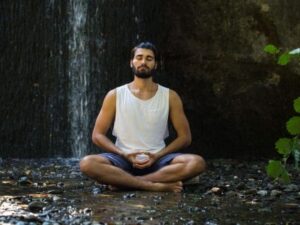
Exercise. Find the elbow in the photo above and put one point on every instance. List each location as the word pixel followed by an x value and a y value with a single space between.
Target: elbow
pixel 94 138
pixel 188 141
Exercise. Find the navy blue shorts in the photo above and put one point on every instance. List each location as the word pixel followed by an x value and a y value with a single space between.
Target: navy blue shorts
pixel 122 163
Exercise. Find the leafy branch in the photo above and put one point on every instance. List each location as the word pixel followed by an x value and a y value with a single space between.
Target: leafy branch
pixel 286 147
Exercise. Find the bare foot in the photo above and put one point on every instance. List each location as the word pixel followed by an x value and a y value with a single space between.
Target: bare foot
pixel 161 187
pixel 169 187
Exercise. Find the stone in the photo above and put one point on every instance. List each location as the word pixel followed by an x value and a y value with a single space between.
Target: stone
pixel 262 193
pixel 216 190
pixel 20 223
pixel 56 198
pixel 56 191
pixel 291 206
pixel 275 193
pixel 24 181
pixel 291 188
pixel 250 191
pixel 36 206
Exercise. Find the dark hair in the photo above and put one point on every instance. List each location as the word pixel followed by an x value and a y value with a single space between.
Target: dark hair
pixel 146 45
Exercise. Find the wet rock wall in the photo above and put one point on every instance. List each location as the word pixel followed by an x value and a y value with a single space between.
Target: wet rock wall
pixel 237 99
pixel 44 46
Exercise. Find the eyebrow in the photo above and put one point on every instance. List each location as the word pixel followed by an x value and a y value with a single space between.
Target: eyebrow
pixel 147 56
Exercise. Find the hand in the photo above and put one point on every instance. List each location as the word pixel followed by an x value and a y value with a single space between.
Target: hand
pixel 140 164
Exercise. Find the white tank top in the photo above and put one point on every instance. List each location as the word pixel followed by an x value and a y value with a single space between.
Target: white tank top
pixel 141 124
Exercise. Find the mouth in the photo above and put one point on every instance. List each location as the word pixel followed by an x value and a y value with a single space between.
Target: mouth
pixel 143 67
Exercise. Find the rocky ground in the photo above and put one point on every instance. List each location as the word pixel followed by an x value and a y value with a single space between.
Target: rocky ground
pixel 53 191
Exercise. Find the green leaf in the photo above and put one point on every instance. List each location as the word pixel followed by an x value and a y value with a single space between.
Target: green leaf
pixel 284 146
pixel 285 177
pixel 274 168
pixel 297 105
pixel 293 125
pixel 284 59
pixel 272 49
pixel 296 144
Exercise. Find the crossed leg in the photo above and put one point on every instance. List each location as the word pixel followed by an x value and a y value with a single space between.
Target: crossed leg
pixel 166 179
pixel 181 168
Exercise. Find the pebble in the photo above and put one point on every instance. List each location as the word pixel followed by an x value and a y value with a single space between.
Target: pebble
pixel 265 210
pixel 262 193
pixel 216 190
pixel 275 193
pixel 36 206
pixel 96 191
pixel 56 191
pixel 24 181
pixel 291 188
pixel 291 206
pixel 56 198
pixel 250 191
pixel 87 211
pixel 21 223
pixel 129 195
pixel 60 184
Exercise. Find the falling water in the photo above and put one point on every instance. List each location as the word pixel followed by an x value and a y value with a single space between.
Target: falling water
pixel 79 76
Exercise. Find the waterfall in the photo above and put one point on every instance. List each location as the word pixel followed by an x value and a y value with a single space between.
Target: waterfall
pixel 78 73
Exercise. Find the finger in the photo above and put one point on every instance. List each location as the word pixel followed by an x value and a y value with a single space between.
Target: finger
pixel 141 166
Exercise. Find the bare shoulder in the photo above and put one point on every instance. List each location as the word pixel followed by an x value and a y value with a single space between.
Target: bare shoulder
pixel 110 99
pixel 174 98
pixel 111 95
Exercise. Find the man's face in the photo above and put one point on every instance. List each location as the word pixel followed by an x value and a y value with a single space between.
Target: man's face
pixel 143 63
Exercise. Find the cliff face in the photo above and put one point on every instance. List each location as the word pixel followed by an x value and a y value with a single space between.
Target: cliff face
pixel 236 97
pixel 59 58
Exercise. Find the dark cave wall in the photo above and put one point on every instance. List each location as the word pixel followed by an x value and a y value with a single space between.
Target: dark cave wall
pixel 236 97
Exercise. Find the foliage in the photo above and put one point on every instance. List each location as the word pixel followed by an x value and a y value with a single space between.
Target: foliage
pixel 284 57
pixel 286 146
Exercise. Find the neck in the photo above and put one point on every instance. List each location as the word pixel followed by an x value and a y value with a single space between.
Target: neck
pixel 143 84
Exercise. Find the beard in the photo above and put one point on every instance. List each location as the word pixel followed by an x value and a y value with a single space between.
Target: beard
pixel 143 73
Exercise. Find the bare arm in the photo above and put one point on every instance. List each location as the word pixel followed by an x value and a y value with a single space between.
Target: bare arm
pixel 103 123
pixel 181 125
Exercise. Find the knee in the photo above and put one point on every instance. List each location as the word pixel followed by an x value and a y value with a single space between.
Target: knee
pixel 86 164
pixel 199 163
pixel 83 164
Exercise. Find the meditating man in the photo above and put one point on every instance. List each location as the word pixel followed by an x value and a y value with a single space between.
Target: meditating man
pixel 139 112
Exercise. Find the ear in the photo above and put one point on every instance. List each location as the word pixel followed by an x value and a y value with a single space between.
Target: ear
pixel 155 65
pixel 130 63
